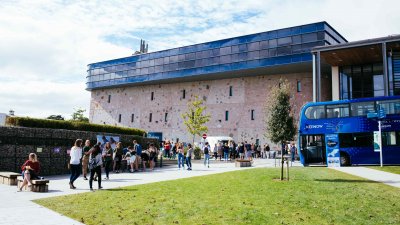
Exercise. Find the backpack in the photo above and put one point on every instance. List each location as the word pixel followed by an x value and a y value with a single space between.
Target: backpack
pixel 92 163
pixel 205 150
pixel 138 149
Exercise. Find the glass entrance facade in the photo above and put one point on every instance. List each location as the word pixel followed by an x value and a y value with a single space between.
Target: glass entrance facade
pixel 361 81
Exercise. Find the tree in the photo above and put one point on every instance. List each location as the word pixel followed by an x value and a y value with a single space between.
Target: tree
pixel 55 117
pixel 78 115
pixel 194 118
pixel 279 121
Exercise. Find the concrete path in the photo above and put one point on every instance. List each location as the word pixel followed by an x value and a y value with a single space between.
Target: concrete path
pixel 371 174
pixel 13 204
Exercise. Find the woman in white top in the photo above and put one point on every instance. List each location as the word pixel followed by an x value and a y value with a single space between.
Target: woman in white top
pixel 75 162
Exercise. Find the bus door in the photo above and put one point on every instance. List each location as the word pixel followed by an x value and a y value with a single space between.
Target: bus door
pixel 313 149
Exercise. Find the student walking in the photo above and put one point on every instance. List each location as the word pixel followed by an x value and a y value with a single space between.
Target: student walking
pixel 293 152
pixel 206 151
pixel 75 162
pixel 85 158
pixel 95 166
pixel 215 151
pixel 189 157
pixel 225 149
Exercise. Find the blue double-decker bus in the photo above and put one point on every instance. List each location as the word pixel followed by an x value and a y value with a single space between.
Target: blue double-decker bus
pixel 347 120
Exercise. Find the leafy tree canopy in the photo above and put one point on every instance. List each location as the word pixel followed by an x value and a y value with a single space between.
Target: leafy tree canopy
pixel 194 119
pixel 279 121
pixel 78 115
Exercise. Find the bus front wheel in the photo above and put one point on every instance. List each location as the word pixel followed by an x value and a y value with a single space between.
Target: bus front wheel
pixel 344 159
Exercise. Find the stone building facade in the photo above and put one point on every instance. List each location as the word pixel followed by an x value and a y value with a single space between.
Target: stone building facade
pixel 242 99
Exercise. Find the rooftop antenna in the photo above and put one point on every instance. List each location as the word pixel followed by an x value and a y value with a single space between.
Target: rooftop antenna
pixel 144 48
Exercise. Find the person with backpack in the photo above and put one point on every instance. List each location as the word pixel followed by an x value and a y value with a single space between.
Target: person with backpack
pixel 138 149
pixel 95 163
pixel 206 151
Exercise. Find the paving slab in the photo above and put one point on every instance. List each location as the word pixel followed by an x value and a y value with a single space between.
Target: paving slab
pixel 371 174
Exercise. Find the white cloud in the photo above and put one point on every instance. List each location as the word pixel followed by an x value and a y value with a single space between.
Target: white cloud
pixel 46 45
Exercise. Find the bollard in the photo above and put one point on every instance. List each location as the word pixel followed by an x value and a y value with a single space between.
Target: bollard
pixel 287 169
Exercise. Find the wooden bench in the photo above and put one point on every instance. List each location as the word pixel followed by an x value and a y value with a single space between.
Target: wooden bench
pixel 9 178
pixel 242 163
pixel 37 185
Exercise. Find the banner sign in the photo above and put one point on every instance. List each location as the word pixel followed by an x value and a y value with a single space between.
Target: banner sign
pixel 332 150
pixel 377 138
pixel 104 139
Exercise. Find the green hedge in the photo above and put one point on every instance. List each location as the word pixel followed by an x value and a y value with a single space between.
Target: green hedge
pixel 71 125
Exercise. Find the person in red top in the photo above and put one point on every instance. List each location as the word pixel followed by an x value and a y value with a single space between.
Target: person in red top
pixel 30 170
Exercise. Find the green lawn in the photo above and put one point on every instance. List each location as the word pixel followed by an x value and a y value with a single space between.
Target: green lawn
pixel 312 196
pixel 390 169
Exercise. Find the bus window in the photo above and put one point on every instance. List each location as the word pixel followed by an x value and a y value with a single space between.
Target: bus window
pixel 348 140
pixel 336 111
pixel 362 108
pixel 313 149
pixel 390 106
pixel 389 138
pixel 315 112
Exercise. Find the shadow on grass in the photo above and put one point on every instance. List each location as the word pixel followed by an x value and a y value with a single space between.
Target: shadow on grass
pixel 346 180
pixel 121 189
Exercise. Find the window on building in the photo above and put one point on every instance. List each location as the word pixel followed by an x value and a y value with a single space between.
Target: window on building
pixel 109 98
pixel 152 96
pixel 150 117
pixel 230 90
pixel 132 118
pixel 183 94
pixel 361 81
pixel 298 86
pixel 165 117
pixel 119 118
pixel 226 115
pixel 252 114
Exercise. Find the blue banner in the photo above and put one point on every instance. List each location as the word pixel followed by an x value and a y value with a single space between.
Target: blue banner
pixel 332 150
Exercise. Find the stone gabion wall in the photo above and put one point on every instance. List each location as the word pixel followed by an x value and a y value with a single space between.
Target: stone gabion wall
pixel 17 142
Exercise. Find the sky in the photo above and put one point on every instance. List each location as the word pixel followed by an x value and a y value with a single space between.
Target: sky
pixel 46 45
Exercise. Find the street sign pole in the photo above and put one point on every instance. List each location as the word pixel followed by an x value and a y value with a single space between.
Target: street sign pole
pixel 381 114
pixel 380 141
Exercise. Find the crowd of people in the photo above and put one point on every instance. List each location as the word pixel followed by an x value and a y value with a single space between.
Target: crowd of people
pixel 102 156
pixel 92 160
